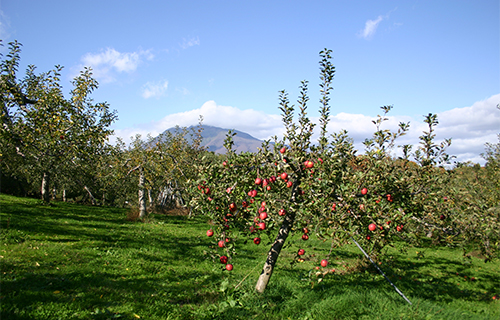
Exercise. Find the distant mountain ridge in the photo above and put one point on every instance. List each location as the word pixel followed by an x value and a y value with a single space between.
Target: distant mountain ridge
pixel 213 139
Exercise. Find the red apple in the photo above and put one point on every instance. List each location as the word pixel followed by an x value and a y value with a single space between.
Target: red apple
pixel 334 206
pixel 442 217
pixel 399 228
pixel 224 163
pixel 268 188
pixel 283 150
pixel 301 252
pixel 258 181
pixel 263 204
pixel 305 237
pixel 368 237
pixel 389 198
pixel 364 191
pixel 372 227
pixel 232 207
pixel 222 243
pixel 252 229
pixel 265 182
pixel 320 160
pixel 229 267
pixel 282 212
pixel 389 222
pixel 289 184
pixel 210 232
pixel 223 259
pixel 262 225
pixel 263 216
pixel 256 240
pixel 308 164
pixel 284 176
pixel 244 204
pixel 324 263
pixel 305 230
pixel 362 207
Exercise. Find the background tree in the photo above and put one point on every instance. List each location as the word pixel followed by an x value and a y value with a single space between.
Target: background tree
pixel 48 133
pixel 163 167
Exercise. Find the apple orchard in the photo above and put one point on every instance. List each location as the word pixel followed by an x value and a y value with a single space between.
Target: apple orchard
pixel 326 190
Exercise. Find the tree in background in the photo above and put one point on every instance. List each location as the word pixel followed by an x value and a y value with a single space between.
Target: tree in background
pixel 43 135
pixel 161 167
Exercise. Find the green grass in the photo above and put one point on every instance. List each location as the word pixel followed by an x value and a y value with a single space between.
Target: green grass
pixel 67 261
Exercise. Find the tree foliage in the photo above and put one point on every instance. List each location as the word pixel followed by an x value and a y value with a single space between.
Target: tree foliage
pixel 45 136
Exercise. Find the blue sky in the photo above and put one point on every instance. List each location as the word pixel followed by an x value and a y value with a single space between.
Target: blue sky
pixel 162 63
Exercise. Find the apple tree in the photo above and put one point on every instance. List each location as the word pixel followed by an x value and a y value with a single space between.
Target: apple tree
pixel 45 132
pixel 295 186
pixel 162 166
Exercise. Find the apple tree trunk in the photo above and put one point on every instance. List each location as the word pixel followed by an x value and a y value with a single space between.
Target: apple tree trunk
pixel 142 200
pixel 90 195
pixel 272 256
pixel 45 187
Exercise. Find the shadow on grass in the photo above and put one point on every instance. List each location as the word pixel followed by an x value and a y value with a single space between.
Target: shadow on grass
pixel 86 292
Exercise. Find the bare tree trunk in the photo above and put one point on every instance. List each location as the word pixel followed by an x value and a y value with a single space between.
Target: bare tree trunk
pixel 273 254
pixel 64 195
pixel 142 201
pixel 45 187
pixel 150 199
pixel 90 195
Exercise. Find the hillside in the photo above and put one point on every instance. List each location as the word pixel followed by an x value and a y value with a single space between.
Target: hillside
pixel 213 139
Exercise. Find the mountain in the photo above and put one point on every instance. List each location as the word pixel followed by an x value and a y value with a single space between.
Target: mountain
pixel 213 139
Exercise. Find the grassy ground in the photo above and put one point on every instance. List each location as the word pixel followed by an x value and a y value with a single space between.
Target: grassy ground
pixel 67 261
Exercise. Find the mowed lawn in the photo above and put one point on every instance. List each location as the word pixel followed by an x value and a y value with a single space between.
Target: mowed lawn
pixel 68 261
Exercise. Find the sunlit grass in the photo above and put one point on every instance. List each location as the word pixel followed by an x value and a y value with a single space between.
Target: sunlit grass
pixel 66 261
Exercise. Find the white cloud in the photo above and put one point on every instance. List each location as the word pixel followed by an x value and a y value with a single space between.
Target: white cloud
pixel 156 90
pixel 470 127
pixel 256 123
pixel 107 63
pixel 370 27
pixel 186 43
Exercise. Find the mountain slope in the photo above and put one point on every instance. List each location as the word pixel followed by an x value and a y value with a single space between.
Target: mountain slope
pixel 213 140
